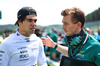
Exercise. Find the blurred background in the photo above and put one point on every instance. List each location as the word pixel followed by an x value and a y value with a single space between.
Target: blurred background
pixel 49 17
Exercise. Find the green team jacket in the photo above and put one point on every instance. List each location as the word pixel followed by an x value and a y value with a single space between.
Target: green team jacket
pixel 90 50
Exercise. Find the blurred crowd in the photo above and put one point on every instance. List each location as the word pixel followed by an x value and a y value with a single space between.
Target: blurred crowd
pixel 58 37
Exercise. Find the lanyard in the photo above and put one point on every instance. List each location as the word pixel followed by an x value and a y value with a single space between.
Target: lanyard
pixel 70 48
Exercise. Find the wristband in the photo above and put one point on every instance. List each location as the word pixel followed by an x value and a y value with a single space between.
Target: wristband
pixel 56 46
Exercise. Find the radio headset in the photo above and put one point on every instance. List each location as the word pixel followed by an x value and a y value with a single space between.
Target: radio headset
pixel 75 40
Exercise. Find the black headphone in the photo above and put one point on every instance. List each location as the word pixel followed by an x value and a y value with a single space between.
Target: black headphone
pixel 74 39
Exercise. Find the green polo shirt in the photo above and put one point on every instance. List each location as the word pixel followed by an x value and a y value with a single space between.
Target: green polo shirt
pixel 89 52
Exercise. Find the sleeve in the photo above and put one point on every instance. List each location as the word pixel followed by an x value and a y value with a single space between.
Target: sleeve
pixel 4 55
pixel 97 56
pixel 41 56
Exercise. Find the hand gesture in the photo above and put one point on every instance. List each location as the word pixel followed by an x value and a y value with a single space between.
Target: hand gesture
pixel 48 41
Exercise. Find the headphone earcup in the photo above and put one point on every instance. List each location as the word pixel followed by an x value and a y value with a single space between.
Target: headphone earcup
pixel 76 40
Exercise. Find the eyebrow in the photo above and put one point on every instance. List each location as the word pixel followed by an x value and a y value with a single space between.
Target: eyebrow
pixel 64 22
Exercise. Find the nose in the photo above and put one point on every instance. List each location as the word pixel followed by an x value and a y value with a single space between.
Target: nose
pixel 33 23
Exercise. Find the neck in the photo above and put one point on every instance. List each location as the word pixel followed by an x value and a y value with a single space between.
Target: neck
pixel 78 31
pixel 24 33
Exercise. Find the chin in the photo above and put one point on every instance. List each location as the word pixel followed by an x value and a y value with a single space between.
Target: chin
pixel 31 32
pixel 67 35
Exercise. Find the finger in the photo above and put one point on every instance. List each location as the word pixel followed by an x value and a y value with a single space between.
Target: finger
pixel 42 38
pixel 43 42
pixel 48 37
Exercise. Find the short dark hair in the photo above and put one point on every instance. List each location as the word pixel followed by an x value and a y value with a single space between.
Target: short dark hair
pixel 21 20
pixel 77 15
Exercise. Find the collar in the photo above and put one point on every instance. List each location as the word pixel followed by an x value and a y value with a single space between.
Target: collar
pixel 27 39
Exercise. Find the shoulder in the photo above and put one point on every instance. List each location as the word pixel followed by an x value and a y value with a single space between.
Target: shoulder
pixel 91 39
pixel 9 39
pixel 93 42
pixel 34 37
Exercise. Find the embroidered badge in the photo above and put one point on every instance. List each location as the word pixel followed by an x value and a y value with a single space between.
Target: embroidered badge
pixel 18 34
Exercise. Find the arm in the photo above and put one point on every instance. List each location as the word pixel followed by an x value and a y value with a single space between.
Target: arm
pixel 4 55
pixel 48 42
pixel 41 56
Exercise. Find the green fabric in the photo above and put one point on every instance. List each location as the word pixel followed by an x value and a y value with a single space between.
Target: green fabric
pixel 54 37
pixel 89 52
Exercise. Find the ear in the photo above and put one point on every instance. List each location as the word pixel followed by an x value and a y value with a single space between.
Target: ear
pixel 19 22
pixel 79 24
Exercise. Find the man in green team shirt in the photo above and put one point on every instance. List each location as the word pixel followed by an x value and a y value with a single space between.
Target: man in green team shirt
pixel 53 52
pixel 80 45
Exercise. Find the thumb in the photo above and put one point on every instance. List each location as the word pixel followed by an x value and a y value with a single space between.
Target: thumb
pixel 49 37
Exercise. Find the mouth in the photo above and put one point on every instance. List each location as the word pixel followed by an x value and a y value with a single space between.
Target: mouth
pixel 32 28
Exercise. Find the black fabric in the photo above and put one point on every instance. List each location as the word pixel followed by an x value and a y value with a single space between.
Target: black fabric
pixel 82 32
pixel 66 61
